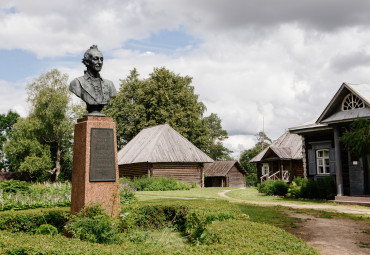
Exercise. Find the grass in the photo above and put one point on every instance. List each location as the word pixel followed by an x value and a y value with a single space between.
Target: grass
pixel 207 193
pixel 251 194
pixel 254 230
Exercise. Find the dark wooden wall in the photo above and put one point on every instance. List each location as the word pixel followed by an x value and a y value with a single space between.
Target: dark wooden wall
pixel 184 172
pixel 235 178
pixel 133 170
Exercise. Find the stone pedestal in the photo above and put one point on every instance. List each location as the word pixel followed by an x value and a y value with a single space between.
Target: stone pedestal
pixel 95 167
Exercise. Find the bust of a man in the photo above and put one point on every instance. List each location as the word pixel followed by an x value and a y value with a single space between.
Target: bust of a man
pixel 92 88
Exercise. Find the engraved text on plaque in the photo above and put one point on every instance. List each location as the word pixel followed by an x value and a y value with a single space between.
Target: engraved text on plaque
pixel 102 156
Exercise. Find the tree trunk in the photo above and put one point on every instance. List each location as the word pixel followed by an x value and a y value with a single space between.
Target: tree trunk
pixel 57 162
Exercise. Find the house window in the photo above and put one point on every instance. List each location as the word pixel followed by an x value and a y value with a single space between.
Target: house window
pixel 265 168
pixel 352 102
pixel 322 160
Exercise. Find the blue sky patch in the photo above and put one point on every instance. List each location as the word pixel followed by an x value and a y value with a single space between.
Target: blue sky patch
pixel 17 64
pixel 164 42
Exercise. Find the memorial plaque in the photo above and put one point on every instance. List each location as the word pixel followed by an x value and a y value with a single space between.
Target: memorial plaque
pixel 102 156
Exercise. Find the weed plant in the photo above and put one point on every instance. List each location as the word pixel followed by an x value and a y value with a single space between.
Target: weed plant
pixel 16 195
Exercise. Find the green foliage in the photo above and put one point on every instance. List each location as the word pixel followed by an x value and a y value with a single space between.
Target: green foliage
pixel 263 141
pixel 30 221
pixel 251 168
pixel 194 185
pixel 46 229
pixel 273 187
pixel 155 183
pixel 6 124
pixel 127 192
pixel 16 195
pixel 357 138
pixel 40 142
pixel 234 229
pixel 14 186
pixel 323 188
pixel 94 225
pixel 23 149
pixel 165 97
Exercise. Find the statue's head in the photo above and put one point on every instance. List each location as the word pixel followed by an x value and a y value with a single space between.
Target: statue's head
pixel 93 59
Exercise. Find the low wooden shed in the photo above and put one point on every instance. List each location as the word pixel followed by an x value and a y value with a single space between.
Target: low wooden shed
pixel 228 173
pixel 160 151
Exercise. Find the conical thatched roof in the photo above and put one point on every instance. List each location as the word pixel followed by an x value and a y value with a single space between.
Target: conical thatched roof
pixel 160 144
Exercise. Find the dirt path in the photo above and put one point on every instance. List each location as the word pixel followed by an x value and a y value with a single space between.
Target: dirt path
pixel 330 208
pixel 333 236
pixel 328 236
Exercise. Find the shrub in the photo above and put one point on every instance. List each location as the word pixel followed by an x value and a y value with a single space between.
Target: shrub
pixel 29 221
pixel 14 186
pixel 47 229
pixel 156 183
pixel 94 225
pixel 273 187
pixel 323 188
pixel 127 193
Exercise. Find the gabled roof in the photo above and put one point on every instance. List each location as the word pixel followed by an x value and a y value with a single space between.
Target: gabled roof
pixel 309 126
pixel 160 144
pixel 332 112
pixel 288 146
pixel 221 168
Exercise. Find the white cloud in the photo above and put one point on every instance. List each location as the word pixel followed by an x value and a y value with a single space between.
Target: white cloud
pixel 281 62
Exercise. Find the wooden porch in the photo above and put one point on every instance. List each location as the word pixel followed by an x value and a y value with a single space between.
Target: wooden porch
pixel 353 200
pixel 278 175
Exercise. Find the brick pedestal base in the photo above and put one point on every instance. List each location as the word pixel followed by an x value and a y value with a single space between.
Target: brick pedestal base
pixel 85 186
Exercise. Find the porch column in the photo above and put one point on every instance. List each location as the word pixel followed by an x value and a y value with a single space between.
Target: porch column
pixel 338 163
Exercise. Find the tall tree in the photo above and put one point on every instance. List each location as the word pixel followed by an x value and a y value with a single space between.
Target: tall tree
pixel 50 99
pixel 24 151
pixel 164 97
pixel 49 126
pixel 263 141
pixel 357 138
pixel 6 124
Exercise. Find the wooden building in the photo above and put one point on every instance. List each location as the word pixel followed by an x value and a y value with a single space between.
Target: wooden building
pixel 224 174
pixel 281 160
pixel 323 153
pixel 160 151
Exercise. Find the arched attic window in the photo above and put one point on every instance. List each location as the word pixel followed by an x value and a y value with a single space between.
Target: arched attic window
pixel 352 101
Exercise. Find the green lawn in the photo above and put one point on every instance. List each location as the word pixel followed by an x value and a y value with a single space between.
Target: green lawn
pixel 207 193
pixel 251 194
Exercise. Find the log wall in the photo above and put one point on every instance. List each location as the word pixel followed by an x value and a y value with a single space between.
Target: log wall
pixel 133 170
pixel 184 172
pixel 234 178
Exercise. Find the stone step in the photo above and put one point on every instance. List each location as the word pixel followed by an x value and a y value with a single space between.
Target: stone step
pixel 352 200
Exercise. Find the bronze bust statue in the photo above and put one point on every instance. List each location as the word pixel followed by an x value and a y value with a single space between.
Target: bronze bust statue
pixel 95 91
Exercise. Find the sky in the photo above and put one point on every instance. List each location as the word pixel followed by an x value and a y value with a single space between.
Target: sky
pixel 259 64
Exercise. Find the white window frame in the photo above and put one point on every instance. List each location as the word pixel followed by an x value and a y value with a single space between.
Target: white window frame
pixel 322 161
pixel 265 168
pixel 352 101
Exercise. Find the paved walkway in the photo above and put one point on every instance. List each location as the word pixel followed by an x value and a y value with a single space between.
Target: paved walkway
pixel 352 209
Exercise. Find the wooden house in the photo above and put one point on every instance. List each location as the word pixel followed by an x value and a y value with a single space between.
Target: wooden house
pixel 323 153
pixel 160 151
pixel 224 174
pixel 281 160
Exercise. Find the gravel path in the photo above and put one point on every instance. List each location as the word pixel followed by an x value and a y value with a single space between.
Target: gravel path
pixel 352 209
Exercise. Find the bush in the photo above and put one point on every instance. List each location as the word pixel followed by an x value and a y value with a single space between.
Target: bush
pixel 323 188
pixel 29 221
pixel 155 184
pixel 273 187
pixel 14 186
pixel 127 193
pixel 47 229
pixel 94 225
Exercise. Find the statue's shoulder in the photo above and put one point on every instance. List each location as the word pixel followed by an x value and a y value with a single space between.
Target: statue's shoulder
pixel 75 84
pixel 111 87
